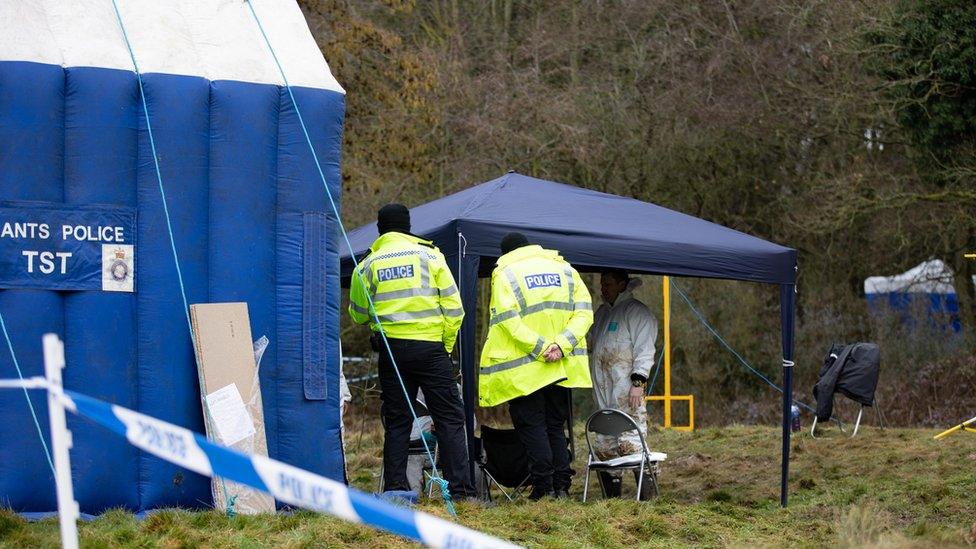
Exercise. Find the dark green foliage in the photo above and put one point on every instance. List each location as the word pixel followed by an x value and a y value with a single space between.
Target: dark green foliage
pixel 927 56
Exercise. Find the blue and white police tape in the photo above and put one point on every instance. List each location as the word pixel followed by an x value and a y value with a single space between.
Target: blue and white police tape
pixel 286 483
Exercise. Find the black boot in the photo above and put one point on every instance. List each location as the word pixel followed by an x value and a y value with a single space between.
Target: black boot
pixel 560 487
pixel 541 487
pixel 611 485
pixel 648 486
pixel 539 493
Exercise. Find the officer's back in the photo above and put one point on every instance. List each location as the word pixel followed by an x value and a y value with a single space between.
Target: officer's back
pixel 544 280
pixel 538 300
pixel 405 290
pixel 536 348
pixel 407 280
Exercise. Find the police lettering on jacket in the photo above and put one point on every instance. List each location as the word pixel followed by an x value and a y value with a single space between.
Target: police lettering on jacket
pixel 544 280
pixel 393 273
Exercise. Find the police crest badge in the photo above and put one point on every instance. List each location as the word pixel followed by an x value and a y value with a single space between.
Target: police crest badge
pixel 118 268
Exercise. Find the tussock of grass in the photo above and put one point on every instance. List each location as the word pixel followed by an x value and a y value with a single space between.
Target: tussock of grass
pixel 719 488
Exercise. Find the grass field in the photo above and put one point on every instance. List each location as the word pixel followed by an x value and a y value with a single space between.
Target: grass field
pixel 719 488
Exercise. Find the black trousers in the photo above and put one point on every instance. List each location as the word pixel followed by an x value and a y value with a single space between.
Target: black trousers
pixel 540 423
pixel 424 365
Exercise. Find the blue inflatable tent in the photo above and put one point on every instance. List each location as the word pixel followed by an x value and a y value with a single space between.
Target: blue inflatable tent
pixel 926 289
pixel 84 247
pixel 592 230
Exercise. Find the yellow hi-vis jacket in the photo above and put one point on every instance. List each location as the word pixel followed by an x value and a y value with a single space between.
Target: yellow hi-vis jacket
pixel 537 299
pixel 411 288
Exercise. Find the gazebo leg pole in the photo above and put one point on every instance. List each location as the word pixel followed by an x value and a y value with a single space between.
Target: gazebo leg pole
pixel 787 316
pixel 787 404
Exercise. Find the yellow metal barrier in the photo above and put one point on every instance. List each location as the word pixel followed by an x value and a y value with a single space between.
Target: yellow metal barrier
pixel 667 406
pixel 667 397
pixel 964 426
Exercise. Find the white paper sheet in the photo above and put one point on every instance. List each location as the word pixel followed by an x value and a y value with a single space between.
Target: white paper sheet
pixel 229 415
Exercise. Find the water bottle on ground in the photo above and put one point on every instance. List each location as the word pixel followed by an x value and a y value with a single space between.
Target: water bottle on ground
pixel 795 415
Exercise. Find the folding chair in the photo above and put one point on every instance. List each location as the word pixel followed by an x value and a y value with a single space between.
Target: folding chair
pixel 613 423
pixel 416 448
pixel 503 462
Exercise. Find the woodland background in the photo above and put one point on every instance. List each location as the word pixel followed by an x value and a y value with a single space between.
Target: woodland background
pixel 843 128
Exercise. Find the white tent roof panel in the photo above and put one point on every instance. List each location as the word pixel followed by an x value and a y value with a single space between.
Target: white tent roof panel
pixel 215 39
pixel 933 276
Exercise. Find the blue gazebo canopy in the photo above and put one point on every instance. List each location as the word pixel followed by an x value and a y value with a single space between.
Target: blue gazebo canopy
pixel 592 230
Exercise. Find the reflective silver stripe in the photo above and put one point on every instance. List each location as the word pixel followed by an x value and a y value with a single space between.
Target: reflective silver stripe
pixel 358 309
pixel 572 338
pixel 372 283
pixel 452 312
pixel 540 346
pixel 546 306
pixel 502 366
pixel 502 317
pixel 409 292
pixel 424 271
pixel 448 291
pixel 532 309
pixel 583 306
pixel 414 315
pixel 570 284
pixel 515 288
pixel 368 263
pixel 364 277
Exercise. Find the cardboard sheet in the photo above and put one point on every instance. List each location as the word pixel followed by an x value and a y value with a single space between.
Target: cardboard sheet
pixel 234 415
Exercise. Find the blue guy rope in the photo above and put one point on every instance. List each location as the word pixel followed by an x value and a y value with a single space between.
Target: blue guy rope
pixel 20 374
pixel 169 230
pixel 435 476
pixel 725 344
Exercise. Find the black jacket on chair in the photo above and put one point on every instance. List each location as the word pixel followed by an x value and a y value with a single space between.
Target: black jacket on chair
pixel 851 370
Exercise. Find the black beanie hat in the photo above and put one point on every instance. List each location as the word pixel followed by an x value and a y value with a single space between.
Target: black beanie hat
pixel 513 241
pixel 393 217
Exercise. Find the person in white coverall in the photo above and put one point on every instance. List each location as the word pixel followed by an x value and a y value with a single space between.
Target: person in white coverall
pixel 621 343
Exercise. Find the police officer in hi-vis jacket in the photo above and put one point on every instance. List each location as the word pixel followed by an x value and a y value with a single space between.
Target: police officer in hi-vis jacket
pixel 536 349
pixel 417 302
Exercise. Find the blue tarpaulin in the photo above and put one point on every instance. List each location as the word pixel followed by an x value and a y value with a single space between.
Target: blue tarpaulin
pixel 592 230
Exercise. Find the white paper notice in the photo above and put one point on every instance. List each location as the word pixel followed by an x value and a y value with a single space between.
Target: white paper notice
pixel 229 415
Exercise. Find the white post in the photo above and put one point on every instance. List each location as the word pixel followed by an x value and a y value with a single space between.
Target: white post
pixel 60 442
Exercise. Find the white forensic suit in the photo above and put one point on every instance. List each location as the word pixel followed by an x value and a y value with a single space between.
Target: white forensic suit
pixel 345 397
pixel 621 343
